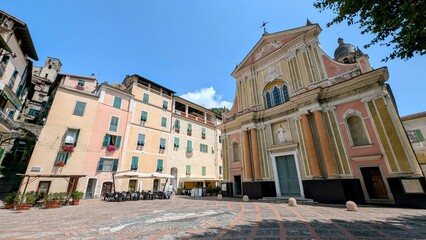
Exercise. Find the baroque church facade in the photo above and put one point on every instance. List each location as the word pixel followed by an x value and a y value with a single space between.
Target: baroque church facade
pixel 309 126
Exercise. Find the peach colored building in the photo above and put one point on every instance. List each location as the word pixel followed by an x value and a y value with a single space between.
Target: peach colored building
pixel 62 146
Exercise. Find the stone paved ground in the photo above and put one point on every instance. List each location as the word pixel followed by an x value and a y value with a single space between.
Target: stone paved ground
pixel 206 218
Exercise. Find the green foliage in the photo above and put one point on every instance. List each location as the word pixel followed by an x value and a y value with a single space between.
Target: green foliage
pixel 179 190
pixel 219 111
pixel 77 195
pixel 57 196
pixel 10 198
pixel 29 197
pixel 397 24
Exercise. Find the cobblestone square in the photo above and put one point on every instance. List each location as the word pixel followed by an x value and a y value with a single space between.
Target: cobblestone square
pixel 206 218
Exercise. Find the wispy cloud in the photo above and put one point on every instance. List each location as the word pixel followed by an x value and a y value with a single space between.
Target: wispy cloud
pixel 208 98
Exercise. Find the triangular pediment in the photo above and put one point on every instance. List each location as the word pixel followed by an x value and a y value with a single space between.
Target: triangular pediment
pixel 270 43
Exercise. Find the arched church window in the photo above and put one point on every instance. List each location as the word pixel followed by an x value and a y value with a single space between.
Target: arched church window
pixel 357 131
pixel 285 93
pixel 268 100
pixel 235 152
pixel 277 96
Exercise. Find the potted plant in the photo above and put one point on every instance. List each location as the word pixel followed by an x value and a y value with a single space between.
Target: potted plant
pixel 68 148
pixel 54 200
pixel 111 148
pixel 8 200
pixel 76 196
pixel 24 201
pixel 60 164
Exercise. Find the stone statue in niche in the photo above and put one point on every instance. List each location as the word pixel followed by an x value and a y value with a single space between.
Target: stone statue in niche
pixel 281 134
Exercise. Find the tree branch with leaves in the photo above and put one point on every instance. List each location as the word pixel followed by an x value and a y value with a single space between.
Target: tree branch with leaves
pixel 400 24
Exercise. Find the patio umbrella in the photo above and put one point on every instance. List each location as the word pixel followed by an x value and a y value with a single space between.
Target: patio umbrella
pixel 161 175
pixel 132 175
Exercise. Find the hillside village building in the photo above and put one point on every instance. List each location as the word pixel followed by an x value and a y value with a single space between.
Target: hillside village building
pixel 306 125
pixel 415 126
pixel 94 132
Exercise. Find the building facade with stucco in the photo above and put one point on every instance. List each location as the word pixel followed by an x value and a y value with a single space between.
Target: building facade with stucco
pixel 415 127
pixel 306 125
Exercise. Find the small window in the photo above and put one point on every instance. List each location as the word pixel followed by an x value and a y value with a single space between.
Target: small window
pixel 141 141
pixel 107 165
pixel 160 165
pixel 415 136
pixel 220 139
pixel 135 161
pixel 117 102
pixel 189 129
pixel 112 140
pixel 203 133
pixel 15 74
pixel 165 104
pixel 113 125
pixel 162 143
pixel 80 83
pixel 203 171
pixel 189 146
pixel 176 142
pixel 235 152
pixel 145 98
pixel 62 158
pixel 177 125
pixel 164 122
pixel 79 108
pixel 144 116
pixel 71 136
pixel 33 112
pixel 204 148
pixel 188 169
pixel 220 170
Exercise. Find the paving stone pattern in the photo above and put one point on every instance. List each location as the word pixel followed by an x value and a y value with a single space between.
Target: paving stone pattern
pixel 184 217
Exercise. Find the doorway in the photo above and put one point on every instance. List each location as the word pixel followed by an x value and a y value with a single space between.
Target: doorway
pixel 90 189
pixel 237 186
pixel 288 179
pixel 374 183
pixel 106 188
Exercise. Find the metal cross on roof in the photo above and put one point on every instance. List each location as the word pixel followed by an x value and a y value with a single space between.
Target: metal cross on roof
pixel 264 26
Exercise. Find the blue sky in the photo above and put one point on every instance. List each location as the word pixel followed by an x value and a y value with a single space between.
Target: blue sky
pixel 188 46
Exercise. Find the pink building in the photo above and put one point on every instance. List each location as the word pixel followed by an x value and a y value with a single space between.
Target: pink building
pixel 105 148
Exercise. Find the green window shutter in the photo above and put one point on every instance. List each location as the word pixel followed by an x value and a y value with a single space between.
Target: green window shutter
pixel 144 116
pixel 203 133
pixel 135 161
pixel 118 141
pixel 79 108
pixel 113 125
pixel 419 135
pixel 159 165
pixel 76 137
pixel 115 165
pixel 188 169
pixel 164 122
pixel 177 124
pixel 203 171
pixel 66 156
pixel 189 146
pixel 189 127
pixel 107 140
pixel 101 165
pixel 141 139
pixel 145 98
pixel 201 147
pixel 165 104
pixel 176 142
pixel 117 102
